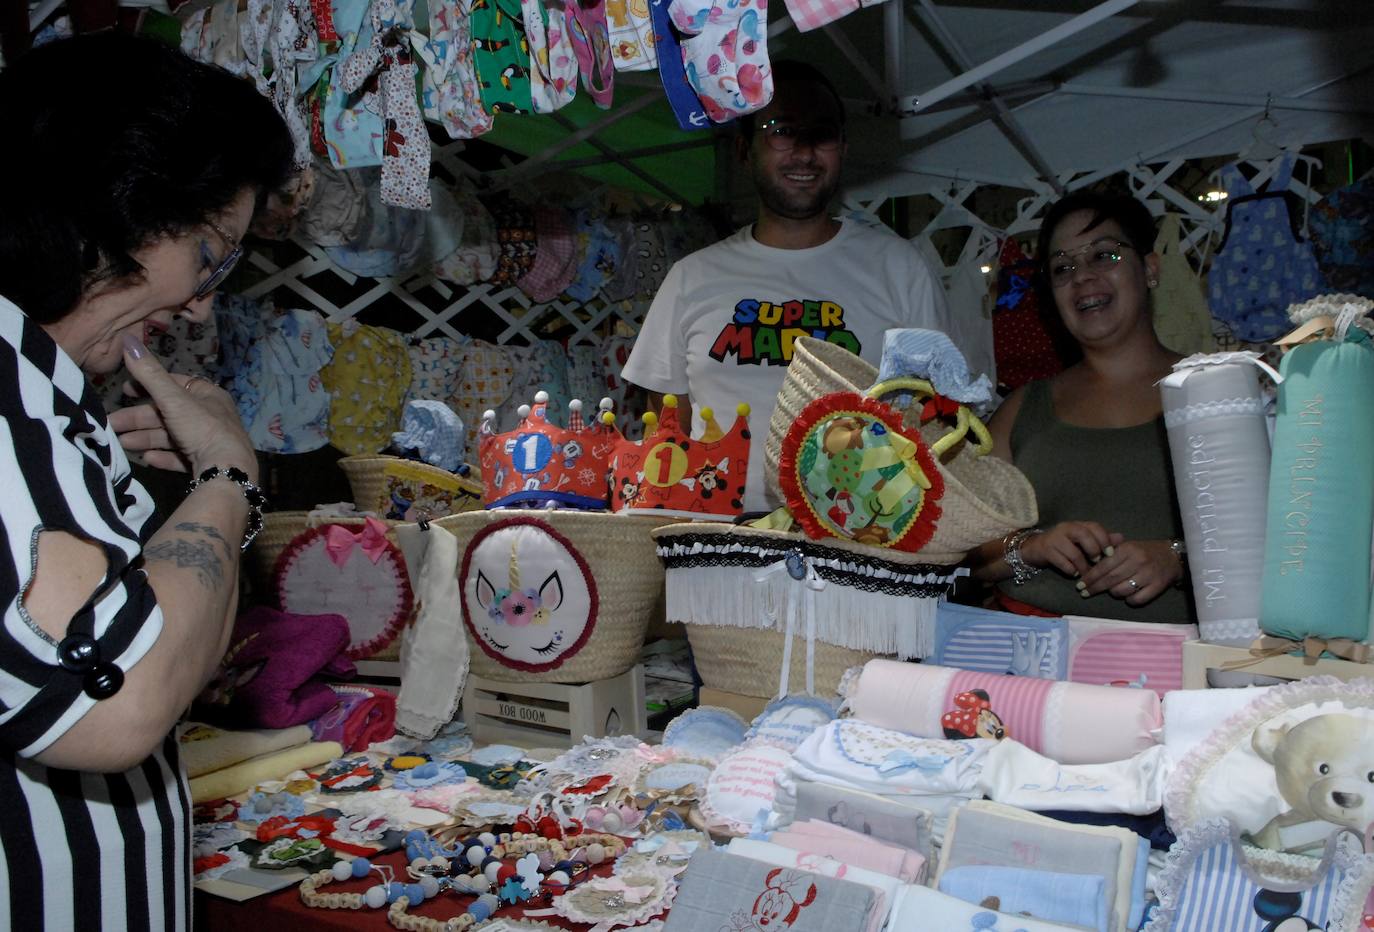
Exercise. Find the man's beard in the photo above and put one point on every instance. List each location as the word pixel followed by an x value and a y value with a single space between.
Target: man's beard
pixel 794 204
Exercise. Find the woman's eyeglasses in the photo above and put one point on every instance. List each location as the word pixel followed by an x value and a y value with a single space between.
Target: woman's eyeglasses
pixel 783 137
pixel 1099 256
pixel 221 272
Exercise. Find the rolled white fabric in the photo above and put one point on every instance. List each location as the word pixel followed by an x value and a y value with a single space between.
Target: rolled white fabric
pixel 1219 443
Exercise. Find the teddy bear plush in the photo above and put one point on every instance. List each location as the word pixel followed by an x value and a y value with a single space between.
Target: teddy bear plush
pixel 1325 771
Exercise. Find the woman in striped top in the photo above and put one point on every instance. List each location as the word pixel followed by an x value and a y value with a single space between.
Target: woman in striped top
pixel 129 176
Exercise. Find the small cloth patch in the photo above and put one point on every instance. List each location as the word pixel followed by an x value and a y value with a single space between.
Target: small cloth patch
pixel 849 469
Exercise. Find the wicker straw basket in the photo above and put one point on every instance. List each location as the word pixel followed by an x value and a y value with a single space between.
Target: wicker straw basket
pixel 278 530
pixel 367 477
pixel 747 660
pixel 618 552
pixel 735 589
pixel 985 496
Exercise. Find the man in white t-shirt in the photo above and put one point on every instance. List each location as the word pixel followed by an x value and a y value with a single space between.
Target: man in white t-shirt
pixel 721 328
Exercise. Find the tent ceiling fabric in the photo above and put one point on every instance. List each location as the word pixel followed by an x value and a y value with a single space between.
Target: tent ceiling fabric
pixel 1142 85
pixel 1150 53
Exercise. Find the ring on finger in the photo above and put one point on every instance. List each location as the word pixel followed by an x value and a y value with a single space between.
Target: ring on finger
pixel 192 380
pixel 1133 584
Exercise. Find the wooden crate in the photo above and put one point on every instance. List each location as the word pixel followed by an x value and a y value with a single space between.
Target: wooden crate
pixel 554 714
pixel 1199 657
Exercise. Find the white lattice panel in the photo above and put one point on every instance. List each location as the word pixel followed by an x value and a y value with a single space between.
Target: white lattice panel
pixel 441 308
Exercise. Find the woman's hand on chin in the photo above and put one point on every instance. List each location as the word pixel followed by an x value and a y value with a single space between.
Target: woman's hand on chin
pixel 191 423
pixel 1071 547
pixel 1138 571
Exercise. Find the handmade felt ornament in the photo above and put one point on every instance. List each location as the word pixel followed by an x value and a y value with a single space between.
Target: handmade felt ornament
pixel 850 469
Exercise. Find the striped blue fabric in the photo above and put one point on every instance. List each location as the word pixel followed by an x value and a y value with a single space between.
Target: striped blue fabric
pixel 999 642
pixel 1215 886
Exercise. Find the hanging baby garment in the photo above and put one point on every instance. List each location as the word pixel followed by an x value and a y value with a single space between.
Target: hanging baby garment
pixel 553 63
pixel 1021 342
pixel 501 55
pixel 448 91
pixel 1262 265
pixel 632 35
pixel 687 106
pixel 386 59
pixel 725 54
pixel 352 115
pixel 1182 321
pixel 1343 235
pixel 592 44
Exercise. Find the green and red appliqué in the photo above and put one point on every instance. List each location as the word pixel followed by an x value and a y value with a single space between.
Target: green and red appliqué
pixel 850 469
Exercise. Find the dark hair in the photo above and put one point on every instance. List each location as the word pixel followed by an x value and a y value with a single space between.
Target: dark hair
pixel 110 143
pixel 791 71
pixel 1129 213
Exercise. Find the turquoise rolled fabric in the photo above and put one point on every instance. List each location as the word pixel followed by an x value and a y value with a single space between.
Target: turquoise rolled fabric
pixel 1321 493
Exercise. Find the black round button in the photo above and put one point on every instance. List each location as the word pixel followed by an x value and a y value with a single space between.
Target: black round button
pixel 78 653
pixel 103 681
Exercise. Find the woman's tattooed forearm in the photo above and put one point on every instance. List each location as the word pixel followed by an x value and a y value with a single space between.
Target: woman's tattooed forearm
pixel 209 530
pixel 195 554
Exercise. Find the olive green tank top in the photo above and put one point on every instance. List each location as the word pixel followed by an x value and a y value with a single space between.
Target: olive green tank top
pixel 1120 477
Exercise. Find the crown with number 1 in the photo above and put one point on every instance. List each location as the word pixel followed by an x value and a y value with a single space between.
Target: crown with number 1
pixel 540 464
pixel 669 472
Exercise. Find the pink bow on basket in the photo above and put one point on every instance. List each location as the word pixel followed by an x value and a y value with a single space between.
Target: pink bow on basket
pixel 340 539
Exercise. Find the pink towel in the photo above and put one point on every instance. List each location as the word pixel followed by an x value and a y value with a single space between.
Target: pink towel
pixel 854 848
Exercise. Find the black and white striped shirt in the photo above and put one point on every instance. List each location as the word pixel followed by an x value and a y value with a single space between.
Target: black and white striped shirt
pixel 83 851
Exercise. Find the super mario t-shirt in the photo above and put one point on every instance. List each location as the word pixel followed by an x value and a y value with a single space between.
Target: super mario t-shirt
pixel 722 327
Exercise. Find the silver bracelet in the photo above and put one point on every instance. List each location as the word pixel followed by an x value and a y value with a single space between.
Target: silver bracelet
pixel 1021 571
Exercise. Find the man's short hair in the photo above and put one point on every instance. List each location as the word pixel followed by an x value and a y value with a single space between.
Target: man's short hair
pixel 791 71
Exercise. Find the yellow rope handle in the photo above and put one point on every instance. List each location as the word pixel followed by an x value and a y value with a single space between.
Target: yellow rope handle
pixel 967 421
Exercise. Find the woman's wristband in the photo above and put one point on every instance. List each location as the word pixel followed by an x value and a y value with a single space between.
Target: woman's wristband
pixel 1021 571
pixel 256 500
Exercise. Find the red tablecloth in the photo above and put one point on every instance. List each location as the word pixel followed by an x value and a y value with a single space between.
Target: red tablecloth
pixel 283 911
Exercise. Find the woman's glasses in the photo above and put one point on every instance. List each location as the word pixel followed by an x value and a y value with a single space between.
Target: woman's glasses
pixel 783 137
pixel 221 272
pixel 1099 255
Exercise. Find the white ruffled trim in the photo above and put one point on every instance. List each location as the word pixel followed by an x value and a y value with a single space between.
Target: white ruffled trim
pixel 1347 906
pixel 1202 410
pixel 1270 869
pixel 1180 795
pixel 875 622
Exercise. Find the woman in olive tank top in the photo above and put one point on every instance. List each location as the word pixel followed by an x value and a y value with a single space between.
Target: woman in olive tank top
pixel 1091 439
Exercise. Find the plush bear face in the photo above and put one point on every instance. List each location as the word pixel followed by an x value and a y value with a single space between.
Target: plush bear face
pixel 1324 766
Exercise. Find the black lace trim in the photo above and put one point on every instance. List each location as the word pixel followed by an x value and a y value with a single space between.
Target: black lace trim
pixel 758 555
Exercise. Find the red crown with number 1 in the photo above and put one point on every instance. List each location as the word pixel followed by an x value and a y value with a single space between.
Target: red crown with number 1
pixel 670 472
pixel 540 464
